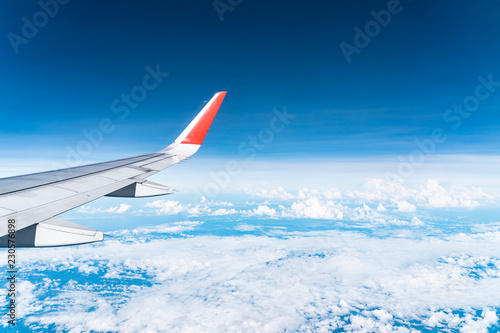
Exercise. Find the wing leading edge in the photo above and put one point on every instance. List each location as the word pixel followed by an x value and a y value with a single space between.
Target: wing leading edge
pixel 33 201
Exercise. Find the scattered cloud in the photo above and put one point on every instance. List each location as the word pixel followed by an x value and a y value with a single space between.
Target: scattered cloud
pixel 275 192
pixel 246 227
pixel 314 208
pixel 380 201
pixel 405 207
pixel 434 195
pixel 381 208
pixel 166 207
pixel 224 211
pixel 414 221
pixel 305 193
pixel 173 228
pixel 263 210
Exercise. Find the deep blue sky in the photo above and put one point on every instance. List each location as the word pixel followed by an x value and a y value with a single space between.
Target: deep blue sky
pixel 266 55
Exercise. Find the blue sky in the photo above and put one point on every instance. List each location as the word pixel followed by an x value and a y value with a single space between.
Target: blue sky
pixel 64 79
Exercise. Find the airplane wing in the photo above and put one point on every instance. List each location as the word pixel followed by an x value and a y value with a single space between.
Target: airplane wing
pixel 31 203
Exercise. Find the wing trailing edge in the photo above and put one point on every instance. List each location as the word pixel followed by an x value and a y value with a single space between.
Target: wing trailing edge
pixel 54 232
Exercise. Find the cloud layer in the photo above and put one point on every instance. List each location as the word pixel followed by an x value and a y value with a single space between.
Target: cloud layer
pixel 145 280
pixel 379 262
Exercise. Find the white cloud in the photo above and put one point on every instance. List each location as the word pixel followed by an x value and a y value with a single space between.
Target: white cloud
pixel 382 315
pixel 224 211
pixel 328 194
pixel 387 196
pixel 381 202
pixel 166 207
pixel 434 195
pixel 333 204
pixel 169 207
pixel 173 228
pixel 405 207
pixel 123 208
pixel 246 227
pixel 380 190
pixel 222 203
pixel 276 192
pixel 304 282
pixel 414 221
pixel 264 210
pixel 315 208
pixel 430 195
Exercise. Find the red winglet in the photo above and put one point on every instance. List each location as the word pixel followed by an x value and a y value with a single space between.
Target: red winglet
pixel 202 122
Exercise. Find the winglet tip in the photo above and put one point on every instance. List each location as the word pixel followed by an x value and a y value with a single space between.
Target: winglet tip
pixel 196 131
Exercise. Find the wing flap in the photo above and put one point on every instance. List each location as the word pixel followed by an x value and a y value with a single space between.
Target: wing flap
pixel 37 214
pixel 59 232
pixel 142 190
pixel 54 232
